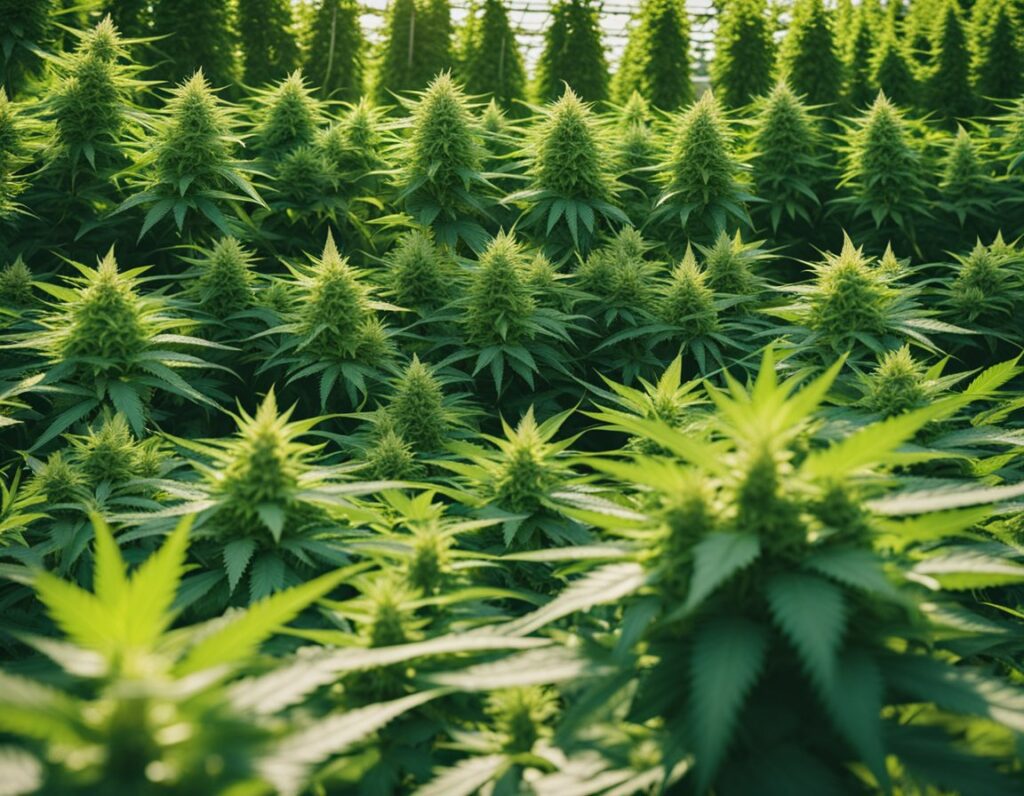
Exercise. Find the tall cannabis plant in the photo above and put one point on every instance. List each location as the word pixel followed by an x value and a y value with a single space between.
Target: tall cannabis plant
pixel 267 36
pixel 808 58
pixel 334 55
pixel 185 164
pixel 997 65
pixel 438 177
pixel 859 87
pixel 417 46
pixel 702 192
pixel 491 63
pixel 787 167
pixel 739 508
pixel 573 54
pixel 105 342
pixel 332 329
pixel 890 70
pixel 200 36
pixel 947 81
pixel 571 193
pixel 883 174
pixel 656 61
pixel 744 52
pixel 92 101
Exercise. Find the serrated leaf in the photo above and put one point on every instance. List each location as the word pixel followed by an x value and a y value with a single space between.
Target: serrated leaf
pixel 267 576
pixel 811 612
pixel 236 555
pixel 127 401
pixel 534 667
pixel 273 516
pixel 464 778
pixel 240 637
pixel 726 660
pixel 603 585
pixel 286 766
pixel 717 558
pixel 963 568
pixel 153 586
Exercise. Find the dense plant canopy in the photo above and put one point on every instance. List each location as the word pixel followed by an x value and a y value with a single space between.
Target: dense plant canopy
pixel 370 426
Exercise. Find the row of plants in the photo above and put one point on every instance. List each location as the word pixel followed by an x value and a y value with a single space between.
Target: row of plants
pixel 434 452
pixel 943 57
pixel 90 165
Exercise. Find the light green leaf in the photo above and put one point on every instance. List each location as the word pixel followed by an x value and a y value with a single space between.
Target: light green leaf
pixel 464 778
pixel 20 772
pixel 240 638
pixel 604 585
pixel 533 667
pixel 963 568
pixel 153 588
pixel 286 766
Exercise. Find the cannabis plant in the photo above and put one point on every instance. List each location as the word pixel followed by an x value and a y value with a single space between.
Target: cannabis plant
pixel 516 478
pixel 983 285
pixel 15 155
pixel 808 59
pixel 269 47
pixel 948 79
pixel 186 163
pixel 419 274
pixel 502 328
pixel 106 342
pixel 571 196
pixel 744 53
pixel 883 174
pixel 966 186
pixel 92 100
pixel 997 66
pixel 890 70
pixel 334 48
pixel 416 47
pixel 656 61
pixel 859 88
pixel 287 117
pixel 200 37
pixel 703 192
pixel 152 709
pixel 491 63
pixel 746 506
pixel 852 306
pixel 332 330
pixel 573 54
pixel 787 167
pixel 223 280
pixel 438 175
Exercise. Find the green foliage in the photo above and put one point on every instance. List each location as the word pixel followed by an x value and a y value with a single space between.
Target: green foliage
pixel 808 58
pixel 334 55
pixel 186 161
pixel 573 54
pixel 744 53
pixel 948 80
pixel 224 282
pixel 656 61
pixel 890 70
pixel 439 180
pixel 571 188
pixel 883 173
pixel 28 26
pixel 201 36
pixel 702 190
pixel 787 169
pixel 491 63
pixel 14 156
pixel 997 66
pixel 417 46
pixel 269 47
pixel 420 274
pixel 288 117
pixel 860 87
